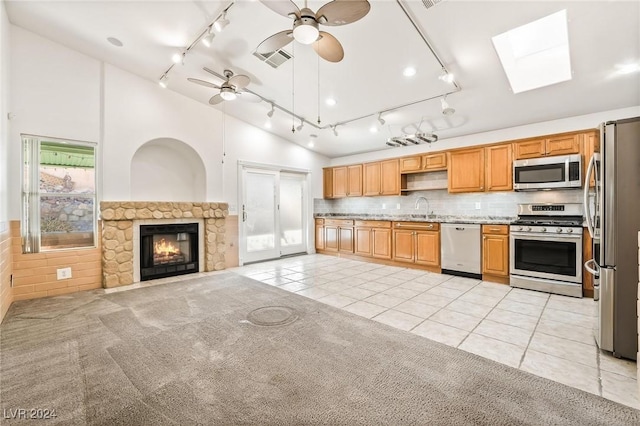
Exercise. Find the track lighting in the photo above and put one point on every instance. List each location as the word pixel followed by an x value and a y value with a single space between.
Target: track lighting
pixel 163 81
pixel 380 119
pixel 335 132
pixel 178 58
pixel 270 113
pixel 207 40
pixel 446 76
pixel 301 125
pixel 221 23
pixel 446 109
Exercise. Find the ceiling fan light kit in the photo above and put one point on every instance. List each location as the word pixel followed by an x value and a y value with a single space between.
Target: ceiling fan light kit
pixel 305 29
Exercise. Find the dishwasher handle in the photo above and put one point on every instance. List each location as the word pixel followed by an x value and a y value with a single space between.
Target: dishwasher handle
pixel 458 228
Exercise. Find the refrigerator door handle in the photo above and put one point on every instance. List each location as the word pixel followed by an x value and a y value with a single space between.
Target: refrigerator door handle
pixel 585 201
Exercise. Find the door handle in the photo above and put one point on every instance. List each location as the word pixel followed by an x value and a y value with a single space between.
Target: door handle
pixel 595 270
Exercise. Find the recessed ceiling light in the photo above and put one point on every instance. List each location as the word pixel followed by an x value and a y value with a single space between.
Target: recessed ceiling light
pixel 627 68
pixel 409 72
pixel 373 129
pixel 330 101
pixel 115 41
pixel 536 54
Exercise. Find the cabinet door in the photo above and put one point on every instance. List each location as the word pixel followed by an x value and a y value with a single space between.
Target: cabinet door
pixel 435 161
pixel 499 168
pixel 319 237
pixel 466 170
pixel 495 255
pixel 403 245
pixel 340 178
pixel 331 238
pixel 410 164
pixel 563 145
pixel 529 149
pixel 345 240
pixel 363 244
pixel 327 183
pixel 428 248
pixel 390 177
pixel 591 143
pixel 354 181
pixel 381 239
pixel 371 179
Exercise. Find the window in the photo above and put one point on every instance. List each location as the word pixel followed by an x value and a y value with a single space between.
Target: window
pixel 58 194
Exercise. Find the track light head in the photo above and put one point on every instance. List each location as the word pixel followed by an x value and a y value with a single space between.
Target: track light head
pixel 335 132
pixel 380 119
pixel 446 109
pixel 207 40
pixel 163 81
pixel 221 23
pixel 301 125
pixel 446 76
pixel 270 113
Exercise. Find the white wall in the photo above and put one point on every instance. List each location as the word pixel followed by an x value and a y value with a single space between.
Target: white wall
pixel 4 121
pixel 589 121
pixel 61 93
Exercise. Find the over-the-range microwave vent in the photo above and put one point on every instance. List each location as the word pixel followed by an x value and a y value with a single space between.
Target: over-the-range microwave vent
pixel 430 3
pixel 275 59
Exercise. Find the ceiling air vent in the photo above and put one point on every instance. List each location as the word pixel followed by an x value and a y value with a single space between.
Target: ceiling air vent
pixel 275 59
pixel 430 3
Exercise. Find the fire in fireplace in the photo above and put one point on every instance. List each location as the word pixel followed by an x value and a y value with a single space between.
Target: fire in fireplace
pixel 168 250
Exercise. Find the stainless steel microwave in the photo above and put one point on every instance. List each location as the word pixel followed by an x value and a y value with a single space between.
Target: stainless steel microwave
pixel 558 172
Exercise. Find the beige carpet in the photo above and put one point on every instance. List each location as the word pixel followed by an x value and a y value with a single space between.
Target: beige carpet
pixel 190 353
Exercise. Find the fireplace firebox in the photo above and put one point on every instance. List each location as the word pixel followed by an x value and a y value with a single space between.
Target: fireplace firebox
pixel 168 250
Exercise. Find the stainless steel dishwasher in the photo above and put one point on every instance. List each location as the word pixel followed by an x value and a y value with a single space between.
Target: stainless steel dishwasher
pixel 460 249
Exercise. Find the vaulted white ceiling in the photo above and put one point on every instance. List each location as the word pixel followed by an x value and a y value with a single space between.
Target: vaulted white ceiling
pixel 603 35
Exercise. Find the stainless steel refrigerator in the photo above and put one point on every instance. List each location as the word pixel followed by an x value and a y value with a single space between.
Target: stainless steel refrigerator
pixel 613 219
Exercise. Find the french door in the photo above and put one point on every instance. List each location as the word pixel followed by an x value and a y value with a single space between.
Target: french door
pixel 273 214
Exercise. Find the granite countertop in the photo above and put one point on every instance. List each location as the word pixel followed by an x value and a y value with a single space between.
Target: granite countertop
pixel 421 218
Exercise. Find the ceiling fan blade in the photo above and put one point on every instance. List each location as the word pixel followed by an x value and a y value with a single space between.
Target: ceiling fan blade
pixel 249 97
pixel 328 47
pixel 203 83
pixel 216 99
pixel 275 42
pixel 240 81
pixel 285 8
pixel 342 12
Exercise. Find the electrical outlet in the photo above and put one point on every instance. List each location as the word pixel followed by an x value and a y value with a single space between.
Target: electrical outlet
pixel 64 273
pixel 398 206
pixel 478 205
pixel 384 206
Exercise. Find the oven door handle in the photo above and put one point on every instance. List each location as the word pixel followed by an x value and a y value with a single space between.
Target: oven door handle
pixel 546 237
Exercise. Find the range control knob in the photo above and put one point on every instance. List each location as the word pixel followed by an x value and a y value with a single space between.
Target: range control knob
pixel 528 229
pixel 559 230
pixel 569 231
pixel 543 229
pixel 519 228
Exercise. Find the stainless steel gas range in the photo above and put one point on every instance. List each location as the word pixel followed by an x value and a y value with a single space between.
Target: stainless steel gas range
pixel 546 248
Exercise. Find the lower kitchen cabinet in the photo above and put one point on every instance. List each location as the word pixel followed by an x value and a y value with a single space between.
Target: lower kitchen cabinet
pixel 319 234
pixel 338 235
pixel 417 243
pixel 495 253
pixel 373 239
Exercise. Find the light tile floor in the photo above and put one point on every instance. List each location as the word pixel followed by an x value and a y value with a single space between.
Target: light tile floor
pixel 546 335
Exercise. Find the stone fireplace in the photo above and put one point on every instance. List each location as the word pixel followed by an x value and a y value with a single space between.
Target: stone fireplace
pixel 125 228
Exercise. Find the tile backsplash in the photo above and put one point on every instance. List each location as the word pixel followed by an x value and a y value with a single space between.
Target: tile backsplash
pixel 441 202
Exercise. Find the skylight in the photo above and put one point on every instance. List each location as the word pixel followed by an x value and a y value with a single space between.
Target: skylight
pixel 536 54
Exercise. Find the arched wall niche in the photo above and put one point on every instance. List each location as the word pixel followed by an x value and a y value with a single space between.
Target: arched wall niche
pixel 167 169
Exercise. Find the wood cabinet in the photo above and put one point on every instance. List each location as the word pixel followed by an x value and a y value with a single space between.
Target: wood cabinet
pixel 495 252
pixel 320 234
pixel 591 144
pixel 417 242
pixel 381 178
pixel 434 162
pixel 410 164
pixel 327 183
pixel 499 168
pixel 466 170
pixel 340 181
pixel 554 145
pixel 587 253
pixel 338 235
pixel 354 181
pixel 373 239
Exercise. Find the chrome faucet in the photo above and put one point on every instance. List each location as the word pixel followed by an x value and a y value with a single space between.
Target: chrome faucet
pixel 418 203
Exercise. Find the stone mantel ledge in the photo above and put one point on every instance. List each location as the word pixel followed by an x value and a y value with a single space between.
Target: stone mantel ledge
pixel 117 233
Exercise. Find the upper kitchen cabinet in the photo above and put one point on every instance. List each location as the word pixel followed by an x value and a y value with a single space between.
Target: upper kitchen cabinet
pixel 340 181
pixel 499 168
pixel 354 181
pixel 555 145
pixel 327 183
pixel 411 164
pixel 381 178
pixel 591 144
pixel 466 170
pixel 344 181
pixel 434 162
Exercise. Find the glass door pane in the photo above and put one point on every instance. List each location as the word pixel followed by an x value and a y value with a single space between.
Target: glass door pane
pixel 292 229
pixel 259 215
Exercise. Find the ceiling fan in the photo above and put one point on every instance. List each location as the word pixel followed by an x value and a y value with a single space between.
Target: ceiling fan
pixel 229 90
pixel 305 25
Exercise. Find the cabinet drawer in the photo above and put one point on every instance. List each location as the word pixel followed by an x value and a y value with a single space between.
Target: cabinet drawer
pixel 338 222
pixel 373 223
pixel 419 226
pixel 495 229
